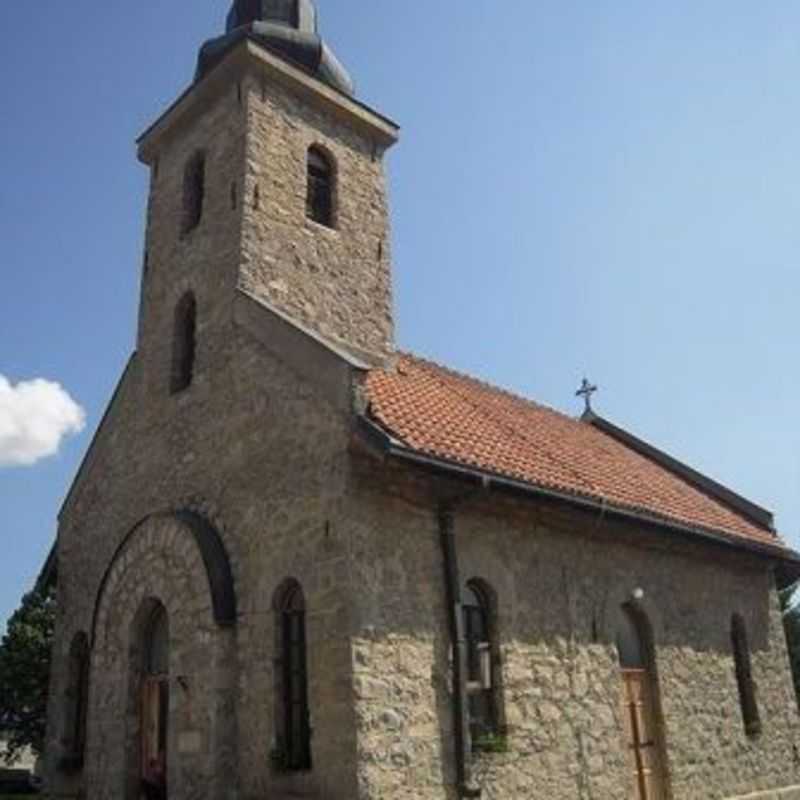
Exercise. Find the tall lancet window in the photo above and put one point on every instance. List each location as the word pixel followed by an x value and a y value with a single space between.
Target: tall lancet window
pixel 77 703
pixel 155 704
pixel 744 676
pixel 320 189
pixel 294 728
pixel 184 343
pixel 481 677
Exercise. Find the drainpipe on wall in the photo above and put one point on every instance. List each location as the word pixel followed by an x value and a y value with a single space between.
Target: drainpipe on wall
pixel 461 735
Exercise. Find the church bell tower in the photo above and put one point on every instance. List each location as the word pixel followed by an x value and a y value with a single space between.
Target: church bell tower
pixel 267 181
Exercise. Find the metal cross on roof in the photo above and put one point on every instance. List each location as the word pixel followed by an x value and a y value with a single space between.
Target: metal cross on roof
pixel 586 391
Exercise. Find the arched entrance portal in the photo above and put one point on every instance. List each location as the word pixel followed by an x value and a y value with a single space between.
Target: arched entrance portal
pixel 154 706
pixel 167 715
pixel 641 710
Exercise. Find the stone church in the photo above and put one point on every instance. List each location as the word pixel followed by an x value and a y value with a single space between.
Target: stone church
pixel 297 562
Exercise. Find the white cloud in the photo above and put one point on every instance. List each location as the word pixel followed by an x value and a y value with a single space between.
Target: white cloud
pixel 35 416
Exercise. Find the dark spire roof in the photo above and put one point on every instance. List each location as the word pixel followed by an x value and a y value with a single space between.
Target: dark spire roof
pixel 288 28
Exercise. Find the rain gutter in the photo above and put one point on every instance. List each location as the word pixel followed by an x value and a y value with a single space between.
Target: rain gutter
pixel 787 561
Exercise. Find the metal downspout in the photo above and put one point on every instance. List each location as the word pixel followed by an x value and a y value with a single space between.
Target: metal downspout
pixel 461 733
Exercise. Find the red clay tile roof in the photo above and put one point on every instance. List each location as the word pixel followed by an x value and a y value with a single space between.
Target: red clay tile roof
pixel 453 417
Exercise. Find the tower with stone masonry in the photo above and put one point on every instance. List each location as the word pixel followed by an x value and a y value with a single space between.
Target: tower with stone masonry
pixel 271 106
pixel 266 281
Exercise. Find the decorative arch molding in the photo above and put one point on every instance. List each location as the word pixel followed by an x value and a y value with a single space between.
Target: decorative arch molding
pixel 212 551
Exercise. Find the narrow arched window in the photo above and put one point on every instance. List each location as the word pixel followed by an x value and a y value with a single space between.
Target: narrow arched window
pixel 320 188
pixel 155 701
pixel 481 673
pixel 630 644
pixel 157 644
pixel 744 676
pixel 294 728
pixel 194 187
pixel 183 343
pixel 77 702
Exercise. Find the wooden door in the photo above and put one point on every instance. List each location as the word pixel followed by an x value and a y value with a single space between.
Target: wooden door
pixel 642 739
pixel 154 732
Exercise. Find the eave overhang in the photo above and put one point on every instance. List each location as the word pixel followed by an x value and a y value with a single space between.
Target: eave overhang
pixel 786 562
pixel 741 505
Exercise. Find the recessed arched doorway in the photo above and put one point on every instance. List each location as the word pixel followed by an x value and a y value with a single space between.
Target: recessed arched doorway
pixel 641 709
pixel 154 705
pixel 168 588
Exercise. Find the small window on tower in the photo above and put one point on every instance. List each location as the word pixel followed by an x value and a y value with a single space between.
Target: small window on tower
pixel 183 344
pixel 320 190
pixel 194 186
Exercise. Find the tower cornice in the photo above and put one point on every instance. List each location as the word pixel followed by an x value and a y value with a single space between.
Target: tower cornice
pixel 250 55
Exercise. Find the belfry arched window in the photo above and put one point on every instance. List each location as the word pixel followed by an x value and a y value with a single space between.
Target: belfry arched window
pixel 184 343
pixel 194 189
pixel 292 712
pixel 77 703
pixel 744 676
pixel 481 672
pixel 320 188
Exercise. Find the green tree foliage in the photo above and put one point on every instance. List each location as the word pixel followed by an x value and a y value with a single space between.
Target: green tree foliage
pixel 791 621
pixel 25 671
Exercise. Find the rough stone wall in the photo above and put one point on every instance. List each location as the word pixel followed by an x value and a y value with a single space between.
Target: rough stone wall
pixel 561 580
pixel 401 652
pixel 335 280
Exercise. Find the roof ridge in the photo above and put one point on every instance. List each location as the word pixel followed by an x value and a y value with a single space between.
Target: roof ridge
pixel 528 401
pixel 514 430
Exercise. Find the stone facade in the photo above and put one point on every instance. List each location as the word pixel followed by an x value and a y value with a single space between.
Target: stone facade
pixel 560 581
pixel 264 449
pixel 272 489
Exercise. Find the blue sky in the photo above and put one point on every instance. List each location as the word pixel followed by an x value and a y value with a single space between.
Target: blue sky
pixel 602 188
